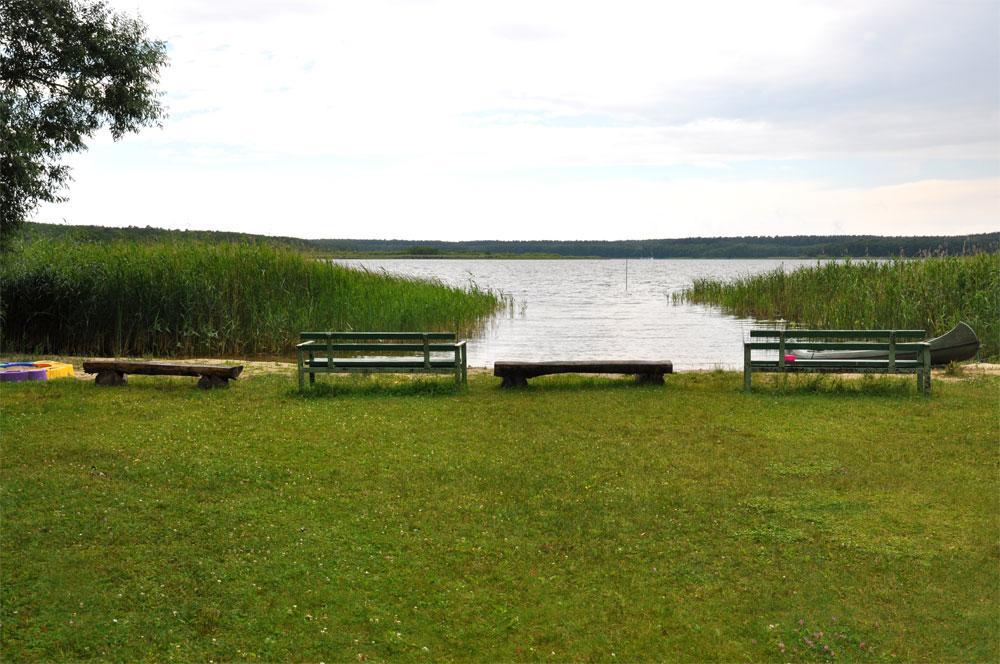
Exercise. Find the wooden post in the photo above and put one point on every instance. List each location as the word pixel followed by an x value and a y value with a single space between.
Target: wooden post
pixel 746 367
pixel 781 350
pixel 427 353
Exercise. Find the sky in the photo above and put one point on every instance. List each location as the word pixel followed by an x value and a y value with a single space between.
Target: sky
pixel 419 119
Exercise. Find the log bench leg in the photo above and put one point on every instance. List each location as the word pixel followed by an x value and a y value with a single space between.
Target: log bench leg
pixel 649 379
pixel 110 378
pixel 513 380
pixel 211 382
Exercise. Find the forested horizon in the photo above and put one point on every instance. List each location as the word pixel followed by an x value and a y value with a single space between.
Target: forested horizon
pixel 796 246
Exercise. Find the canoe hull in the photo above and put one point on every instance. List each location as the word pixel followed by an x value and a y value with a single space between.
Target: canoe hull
pixel 959 343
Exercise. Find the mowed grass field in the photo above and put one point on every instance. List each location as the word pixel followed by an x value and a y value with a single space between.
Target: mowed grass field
pixel 580 519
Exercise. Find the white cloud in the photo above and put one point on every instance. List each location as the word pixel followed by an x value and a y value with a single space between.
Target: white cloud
pixel 446 109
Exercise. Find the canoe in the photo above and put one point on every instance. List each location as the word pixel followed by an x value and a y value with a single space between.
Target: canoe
pixel 959 343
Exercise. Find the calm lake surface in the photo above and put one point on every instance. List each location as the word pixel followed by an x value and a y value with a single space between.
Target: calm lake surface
pixel 581 309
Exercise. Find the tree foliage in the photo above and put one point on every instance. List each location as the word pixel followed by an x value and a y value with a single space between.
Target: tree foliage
pixel 67 69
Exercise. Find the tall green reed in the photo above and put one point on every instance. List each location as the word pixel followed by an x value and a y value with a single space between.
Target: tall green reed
pixel 191 298
pixel 928 293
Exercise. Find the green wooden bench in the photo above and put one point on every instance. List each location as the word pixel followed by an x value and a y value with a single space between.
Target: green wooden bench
pixel 338 352
pixel 883 344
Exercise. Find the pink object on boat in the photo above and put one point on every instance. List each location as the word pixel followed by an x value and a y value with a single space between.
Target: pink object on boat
pixel 789 358
pixel 21 374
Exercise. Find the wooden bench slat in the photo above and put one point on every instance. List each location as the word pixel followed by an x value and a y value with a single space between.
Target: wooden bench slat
pixel 376 335
pixel 839 334
pixel 833 345
pixel 844 364
pixel 320 346
pixel 833 369
pixel 377 363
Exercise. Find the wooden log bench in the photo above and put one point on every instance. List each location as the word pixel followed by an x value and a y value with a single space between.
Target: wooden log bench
pixel 862 342
pixel 381 352
pixel 516 374
pixel 113 372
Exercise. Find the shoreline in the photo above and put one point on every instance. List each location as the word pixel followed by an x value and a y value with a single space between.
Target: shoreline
pixel 253 368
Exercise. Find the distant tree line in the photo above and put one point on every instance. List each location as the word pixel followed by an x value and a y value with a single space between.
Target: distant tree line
pixel 797 246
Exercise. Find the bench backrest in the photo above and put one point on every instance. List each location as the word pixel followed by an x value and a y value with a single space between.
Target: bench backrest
pixel 790 340
pixel 375 336
pixel 839 334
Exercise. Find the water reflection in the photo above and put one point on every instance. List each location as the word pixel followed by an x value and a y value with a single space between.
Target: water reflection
pixel 583 309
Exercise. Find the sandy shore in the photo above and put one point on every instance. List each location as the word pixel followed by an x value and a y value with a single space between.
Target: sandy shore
pixel 253 368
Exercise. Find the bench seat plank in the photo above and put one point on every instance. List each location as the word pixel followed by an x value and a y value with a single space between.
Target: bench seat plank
pixel 838 364
pixel 837 369
pixel 114 372
pixel 375 363
pixel 515 374
pixel 161 368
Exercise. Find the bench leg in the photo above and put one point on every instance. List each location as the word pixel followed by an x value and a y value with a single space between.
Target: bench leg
pixel 649 379
pixel 513 380
pixel 746 367
pixel 465 365
pixel 924 382
pixel 312 379
pixel 211 382
pixel 110 378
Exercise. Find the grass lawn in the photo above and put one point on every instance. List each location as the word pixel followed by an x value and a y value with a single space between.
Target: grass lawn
pixel 579 519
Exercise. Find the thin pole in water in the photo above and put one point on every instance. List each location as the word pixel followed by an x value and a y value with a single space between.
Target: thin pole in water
pixel 626 275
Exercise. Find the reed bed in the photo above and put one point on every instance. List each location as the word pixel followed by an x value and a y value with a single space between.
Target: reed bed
pixel 929 293
pixel 192 298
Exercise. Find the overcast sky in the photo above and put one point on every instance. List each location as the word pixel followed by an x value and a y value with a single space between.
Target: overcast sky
pixel 560 120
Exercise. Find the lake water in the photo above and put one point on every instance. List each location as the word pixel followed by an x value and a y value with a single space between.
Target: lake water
pixel 582 309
